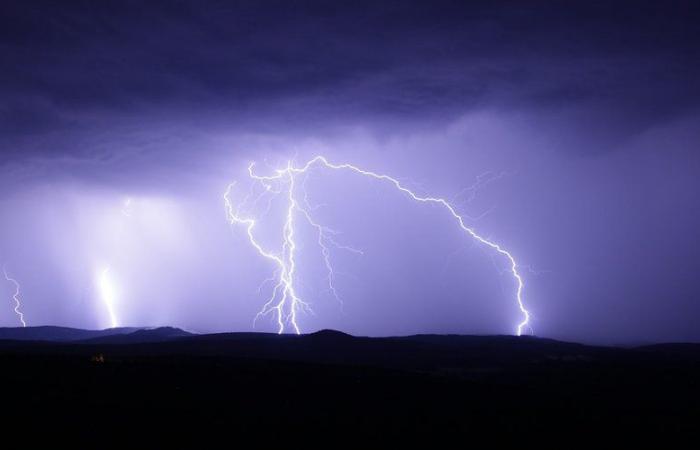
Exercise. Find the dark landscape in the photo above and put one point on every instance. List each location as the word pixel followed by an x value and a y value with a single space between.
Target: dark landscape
pixel 167 385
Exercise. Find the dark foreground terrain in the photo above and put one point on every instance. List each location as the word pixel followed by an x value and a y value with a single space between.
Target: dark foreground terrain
pixel 166 386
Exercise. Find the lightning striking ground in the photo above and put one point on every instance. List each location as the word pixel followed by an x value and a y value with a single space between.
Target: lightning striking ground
pixel 108 295
pixel 284 302
pixel 15 297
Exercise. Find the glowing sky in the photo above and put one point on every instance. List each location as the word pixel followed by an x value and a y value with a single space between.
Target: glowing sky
pixel 569 133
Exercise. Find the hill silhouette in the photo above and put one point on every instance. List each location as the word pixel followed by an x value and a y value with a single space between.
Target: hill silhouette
pixel 59 334
pixel 159 334
pixel 171 385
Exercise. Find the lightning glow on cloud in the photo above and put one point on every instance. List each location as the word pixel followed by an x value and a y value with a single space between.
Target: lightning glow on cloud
pixel 284 301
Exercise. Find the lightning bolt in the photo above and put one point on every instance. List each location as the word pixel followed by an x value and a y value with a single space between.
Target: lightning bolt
pixel 284 301
pixel 15 296
pixel 105 283
pixel 108 295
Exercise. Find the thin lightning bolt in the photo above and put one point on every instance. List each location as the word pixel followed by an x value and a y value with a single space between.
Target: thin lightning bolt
pixel 284 301
pixel 108 296
pixel 105 284
pixel 15 296
pixel 325 240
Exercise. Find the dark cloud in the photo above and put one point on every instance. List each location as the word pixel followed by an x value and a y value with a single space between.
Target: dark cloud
pixel 591 108
pixel 82 62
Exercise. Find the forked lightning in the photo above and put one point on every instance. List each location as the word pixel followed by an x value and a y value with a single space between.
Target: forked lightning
pixel 285 302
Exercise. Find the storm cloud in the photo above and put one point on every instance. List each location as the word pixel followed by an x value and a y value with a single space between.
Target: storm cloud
pixel 588 110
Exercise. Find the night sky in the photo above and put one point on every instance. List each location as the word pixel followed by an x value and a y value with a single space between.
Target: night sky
pixel 567 131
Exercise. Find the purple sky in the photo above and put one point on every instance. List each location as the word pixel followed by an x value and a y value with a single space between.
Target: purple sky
pixel 582 118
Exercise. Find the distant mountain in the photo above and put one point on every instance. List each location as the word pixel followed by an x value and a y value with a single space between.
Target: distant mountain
pixel 59 334
pixel 122 335
pixel 160 334
pixel 331 335
pixel 422 352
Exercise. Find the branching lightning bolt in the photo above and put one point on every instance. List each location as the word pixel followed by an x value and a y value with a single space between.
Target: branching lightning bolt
pixel 284 301
pixel 15 297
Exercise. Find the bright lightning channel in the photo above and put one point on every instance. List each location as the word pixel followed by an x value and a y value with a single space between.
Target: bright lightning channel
pixel 15 297
pixel 108 295
pixel 284 302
